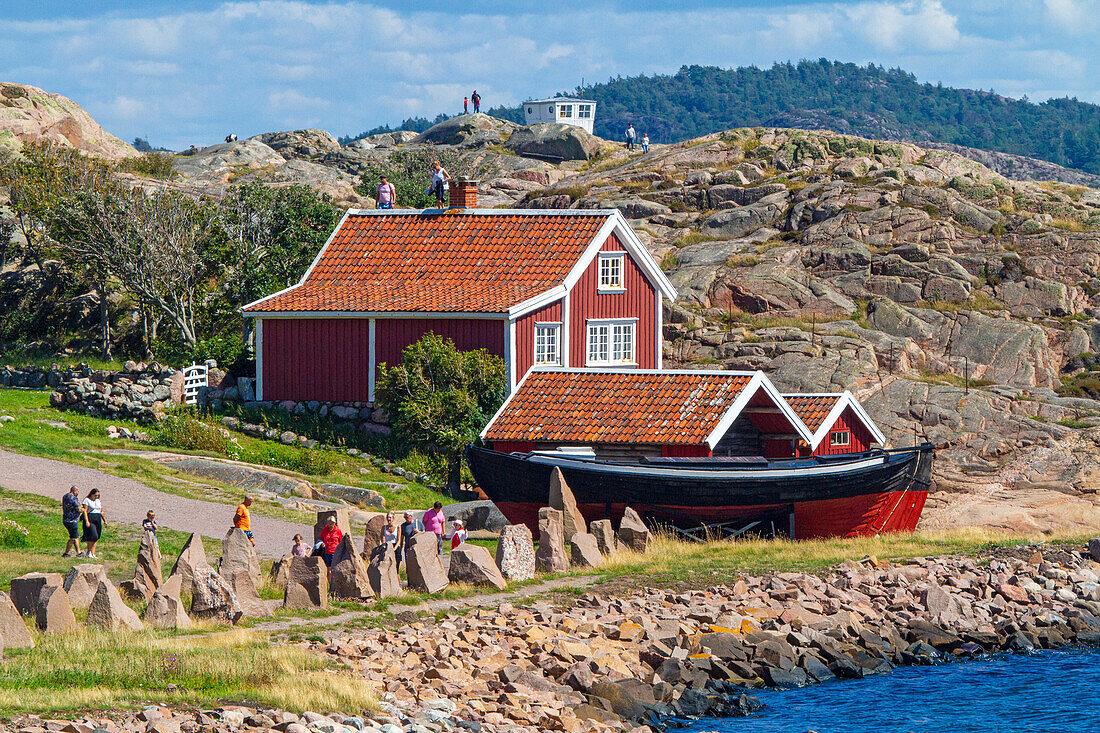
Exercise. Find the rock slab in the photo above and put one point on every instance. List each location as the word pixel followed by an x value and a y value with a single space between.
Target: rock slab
pixel 82 582
pixel 382 571
pixel 108 611
pixel 423 566
pixel 562 499
pixel 252 606
pixel 343 521
pixel 239 554
pixel 550 556
pixel 632 531
pixel 604 532
pixel 474 565
pixel 14 634
pixel 307 583
pixel 165 609
pixel 516 552
pixel 584 551
pixel 26 590
pixel 191 556
pixel 349 572
pixel 54 614
pixel 212 596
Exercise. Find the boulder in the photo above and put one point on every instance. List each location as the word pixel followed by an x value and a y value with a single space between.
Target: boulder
pixel 516 552
pixel 604 532
pixel 382 571
pixel 349 572
pixel 422 564
pixel 469 130
pixel 584 551
pixel 165 609
pixel 191 556
pixel 1094 549
pixel 239 554
pixel 550 556
pixel 562 499
pixel 212 596
pixel 549 140
pixel 148 561
pixel 474 565
pixel 82 582
pixel 14 634
pixel 343 521
pixel 252 606
pixel 54 613
pixel 26 589
pixel 307 583
pixel 109 613
pixel 477 515
pixel 299 143
pixel 280 572
pixel 373 536
pixel 632 531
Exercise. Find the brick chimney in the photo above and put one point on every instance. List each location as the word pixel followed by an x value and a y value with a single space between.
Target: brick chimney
pixel 463 194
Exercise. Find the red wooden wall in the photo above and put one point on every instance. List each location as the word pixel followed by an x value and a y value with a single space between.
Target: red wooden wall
pixel 686 451
pixel 859 440
pixel 323 359
pixel 639 301
pixel 391 335
pixel 525 335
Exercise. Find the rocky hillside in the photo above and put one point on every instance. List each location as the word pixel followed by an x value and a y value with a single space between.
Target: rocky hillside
pixel 962 307
pixel 29 114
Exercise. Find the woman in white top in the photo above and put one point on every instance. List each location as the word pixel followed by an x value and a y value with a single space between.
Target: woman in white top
pixel 91 512
pixel 439 180
pixel 390 532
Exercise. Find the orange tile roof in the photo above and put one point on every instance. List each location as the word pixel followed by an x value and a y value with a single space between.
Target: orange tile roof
pixel 812 409
pixel 457 260
pixel 618 407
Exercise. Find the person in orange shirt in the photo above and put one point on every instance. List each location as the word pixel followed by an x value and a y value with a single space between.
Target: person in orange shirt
pixel 242 520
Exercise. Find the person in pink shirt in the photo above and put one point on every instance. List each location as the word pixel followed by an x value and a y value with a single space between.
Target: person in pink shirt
pixel 386 194
pixel 435 521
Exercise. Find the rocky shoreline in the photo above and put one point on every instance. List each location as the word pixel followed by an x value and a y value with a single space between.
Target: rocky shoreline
pixel 639 661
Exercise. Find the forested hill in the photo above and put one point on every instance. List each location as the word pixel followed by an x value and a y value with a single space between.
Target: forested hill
pixel 869 101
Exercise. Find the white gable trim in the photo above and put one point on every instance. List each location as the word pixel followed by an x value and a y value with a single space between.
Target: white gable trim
pixel 320 254
pixel 616 224
pixel 758 382
pixel 844 400
pixel 507 400
pixel 538 301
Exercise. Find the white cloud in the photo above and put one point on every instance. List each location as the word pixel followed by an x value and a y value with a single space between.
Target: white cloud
pixel 128 108
pixel 908 25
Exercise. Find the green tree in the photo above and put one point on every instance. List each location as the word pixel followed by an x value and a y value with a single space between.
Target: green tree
pixel 410 172
pixel 439 398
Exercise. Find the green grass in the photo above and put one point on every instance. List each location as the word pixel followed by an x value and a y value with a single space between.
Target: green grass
pixel 21 358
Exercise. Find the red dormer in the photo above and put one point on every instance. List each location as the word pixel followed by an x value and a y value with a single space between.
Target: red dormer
pixel 569 288
pixel 837 424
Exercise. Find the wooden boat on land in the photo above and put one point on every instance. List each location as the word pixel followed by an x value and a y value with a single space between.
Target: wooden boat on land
pixel 845 495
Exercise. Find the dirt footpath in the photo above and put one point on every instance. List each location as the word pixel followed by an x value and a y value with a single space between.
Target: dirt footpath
pixel 126 500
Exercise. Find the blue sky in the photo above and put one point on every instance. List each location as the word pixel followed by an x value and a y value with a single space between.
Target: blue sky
pixel 190 71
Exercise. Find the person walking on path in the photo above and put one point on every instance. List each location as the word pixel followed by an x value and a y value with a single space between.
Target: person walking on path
pixel 631 136
pixel 476 99
pixel 91 510
pixel 439 181
pixel 70 517
pixel 645 143
pixel 242 520
pixel 408 531
pixel 465 105
pixel 330 538
pixel 387 194
pixel 299 548
pixel 435 521
pixel 459 535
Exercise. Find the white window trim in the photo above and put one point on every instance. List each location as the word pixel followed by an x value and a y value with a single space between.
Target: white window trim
pixel 600 287
pixel 556 325
pixel 847 437
pixel 611 323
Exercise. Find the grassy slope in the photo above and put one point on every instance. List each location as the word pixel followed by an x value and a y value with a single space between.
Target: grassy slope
pixel 30 435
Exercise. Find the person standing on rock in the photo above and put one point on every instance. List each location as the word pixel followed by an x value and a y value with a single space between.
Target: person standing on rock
pixel 631 136
pixel 242 520
pixel 387 194
pixel 91 511
pixel 149 524
pixel 435 521
pixel 476 99
pixel 70 517
pixel 330 538
pixel 645 143
pixel 465 105
pixel 439 180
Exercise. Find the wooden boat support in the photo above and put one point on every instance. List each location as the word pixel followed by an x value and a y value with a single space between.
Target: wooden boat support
pixel 846 495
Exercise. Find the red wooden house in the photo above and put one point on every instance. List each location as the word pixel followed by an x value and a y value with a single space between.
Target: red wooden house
pixel 634 413
pixel 837 423
pixel 536 287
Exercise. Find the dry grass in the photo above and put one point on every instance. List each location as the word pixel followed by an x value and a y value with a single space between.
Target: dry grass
pixel 95 669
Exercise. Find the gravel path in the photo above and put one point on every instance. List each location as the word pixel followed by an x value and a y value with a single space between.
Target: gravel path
pixel 127 501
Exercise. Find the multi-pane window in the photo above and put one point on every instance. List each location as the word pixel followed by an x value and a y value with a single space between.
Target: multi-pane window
pixel 611 342
pixel 584 111
pixel 611 272
pixel 841 437
pixel 547 344
pixel 565 110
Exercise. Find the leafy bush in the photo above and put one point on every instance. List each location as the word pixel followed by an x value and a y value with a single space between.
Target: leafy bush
pixel 13 534
pixel 187 433
pixel 151 165
pixel 410 172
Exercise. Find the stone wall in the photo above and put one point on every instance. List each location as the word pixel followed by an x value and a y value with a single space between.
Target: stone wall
pixel 138 392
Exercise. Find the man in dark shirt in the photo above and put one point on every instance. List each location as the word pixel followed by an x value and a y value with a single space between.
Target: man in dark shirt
pixel 70 517
pixel 408 531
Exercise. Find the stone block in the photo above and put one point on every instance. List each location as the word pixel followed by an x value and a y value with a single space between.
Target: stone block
pixel 252 606
pixel 382 571
pixel 82 582
pixel 212 596
pixel 191 556
pixel 423 566
pixel 632 531
pixel 550 556
pixel 307 583
pixel 604 532
pixel 54 613
pixel 349 572
pixel 109 613
pixel 165 609
pixel 26 589
pixel 562 499
pixel 343 521
pixel 584 551
pixel 474 565
pixel 14 634
pixel 239 554
pixel 516 552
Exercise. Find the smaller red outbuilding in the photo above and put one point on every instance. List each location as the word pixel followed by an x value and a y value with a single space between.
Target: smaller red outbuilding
pixel 837 423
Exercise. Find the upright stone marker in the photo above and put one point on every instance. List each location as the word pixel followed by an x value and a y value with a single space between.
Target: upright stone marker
pixel 307 583
pixel 165 609
pixel 26 589
pixel 349 572
pixel 382 573
pixel 191 556
pixel 584 551
pixel 108 612
pixel 212 596
pixel 516 552
pixel 562 499
pixel 474 565
pixel 54 614
pixel 14 634
pixel 373 536
pixel 239 554
pixel 422 564
pixel 82 582
pixel 604 533
pixel 252 606
pixel 632 531
pixel 550 556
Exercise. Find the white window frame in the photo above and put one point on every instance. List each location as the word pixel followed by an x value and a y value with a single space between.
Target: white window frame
pixel 600 342
pixel 847 435
pixel 565 110
pixel 609 284
pixel 553 358
pixel 584 111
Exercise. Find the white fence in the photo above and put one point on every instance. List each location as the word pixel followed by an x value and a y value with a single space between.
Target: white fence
pixel 194 379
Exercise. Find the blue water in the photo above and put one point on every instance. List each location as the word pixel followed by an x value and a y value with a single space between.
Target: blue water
pixel 1043 692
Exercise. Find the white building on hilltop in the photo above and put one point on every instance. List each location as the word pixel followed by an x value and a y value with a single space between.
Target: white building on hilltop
pixel 563 110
